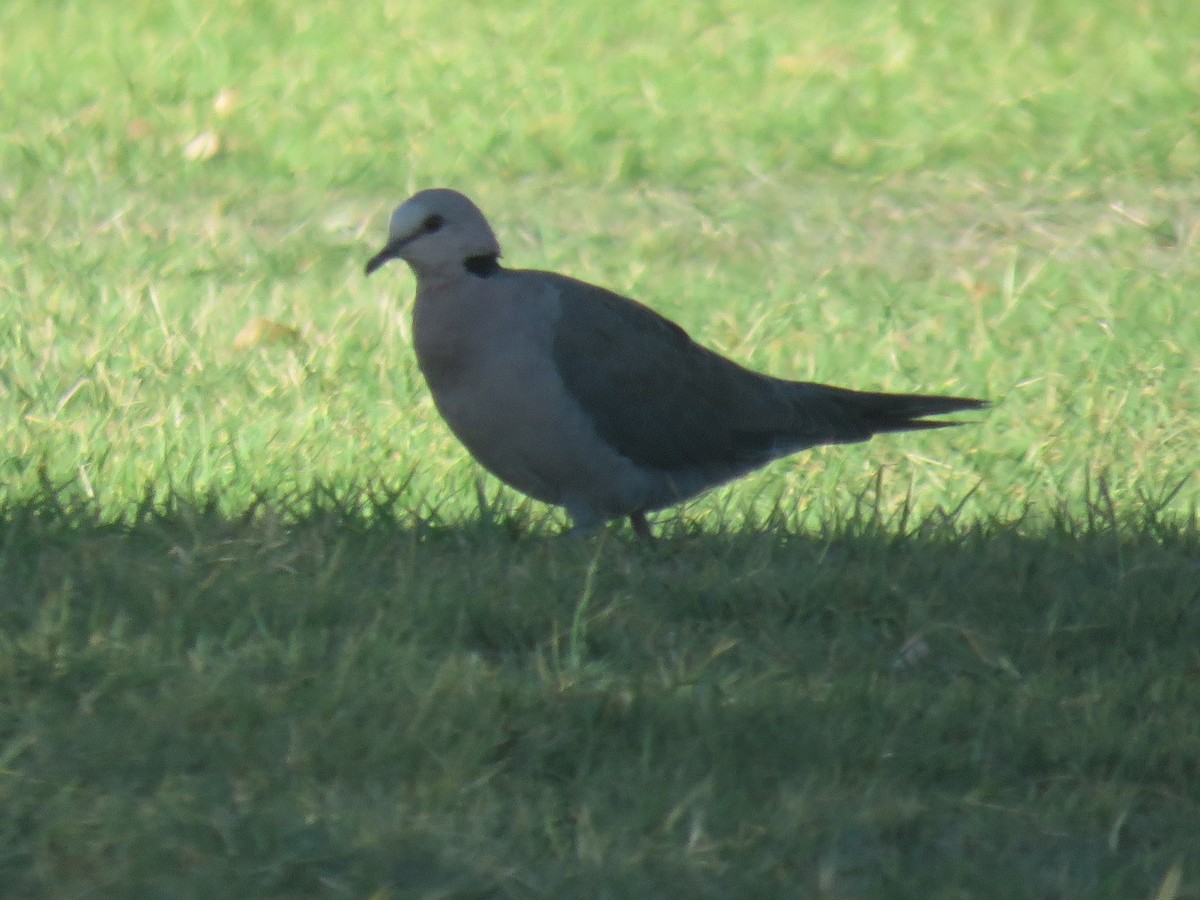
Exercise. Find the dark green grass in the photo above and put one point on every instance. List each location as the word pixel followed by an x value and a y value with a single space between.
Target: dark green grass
pixel 338 697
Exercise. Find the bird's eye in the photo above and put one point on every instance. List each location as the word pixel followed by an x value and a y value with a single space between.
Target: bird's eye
pixel 433 223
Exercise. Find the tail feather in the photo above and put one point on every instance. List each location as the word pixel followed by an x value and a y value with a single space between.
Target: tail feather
pixel 846 416
pixel 907 412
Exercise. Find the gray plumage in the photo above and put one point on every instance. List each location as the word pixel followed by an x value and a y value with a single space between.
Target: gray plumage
pixel 588 400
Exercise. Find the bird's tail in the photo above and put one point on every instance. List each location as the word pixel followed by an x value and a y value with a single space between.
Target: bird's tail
pixel 834 415
pixel 881 412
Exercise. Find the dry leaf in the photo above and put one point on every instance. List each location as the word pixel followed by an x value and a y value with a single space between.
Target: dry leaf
pixel 225 101
pixel 138 129
pixel 260 331
pixel 203 146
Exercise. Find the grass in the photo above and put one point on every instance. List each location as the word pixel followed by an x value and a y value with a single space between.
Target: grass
pixel 264 631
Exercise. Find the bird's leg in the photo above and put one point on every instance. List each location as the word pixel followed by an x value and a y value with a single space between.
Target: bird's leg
pixel 640 526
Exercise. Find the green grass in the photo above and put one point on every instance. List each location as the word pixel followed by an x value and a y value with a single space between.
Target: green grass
pixel 266 631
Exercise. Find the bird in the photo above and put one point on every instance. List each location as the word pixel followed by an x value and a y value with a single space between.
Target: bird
pixel 591 401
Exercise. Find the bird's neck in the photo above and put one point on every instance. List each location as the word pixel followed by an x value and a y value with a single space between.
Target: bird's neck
pixel 482 266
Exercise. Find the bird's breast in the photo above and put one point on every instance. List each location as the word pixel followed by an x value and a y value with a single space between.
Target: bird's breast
pixel 492 371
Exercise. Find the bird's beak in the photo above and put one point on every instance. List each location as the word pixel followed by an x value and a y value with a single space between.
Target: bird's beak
pixel 390 251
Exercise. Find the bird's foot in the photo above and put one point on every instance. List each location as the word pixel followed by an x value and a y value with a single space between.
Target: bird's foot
pixel 640 526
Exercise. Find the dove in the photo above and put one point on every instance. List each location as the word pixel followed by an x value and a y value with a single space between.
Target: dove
pixel 588 400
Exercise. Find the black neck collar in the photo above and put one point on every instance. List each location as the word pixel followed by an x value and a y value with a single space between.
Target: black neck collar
pixel 483 266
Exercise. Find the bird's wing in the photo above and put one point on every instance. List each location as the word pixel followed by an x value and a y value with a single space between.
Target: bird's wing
pixel 665 402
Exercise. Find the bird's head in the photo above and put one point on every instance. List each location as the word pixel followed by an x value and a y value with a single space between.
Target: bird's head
pixel 438 232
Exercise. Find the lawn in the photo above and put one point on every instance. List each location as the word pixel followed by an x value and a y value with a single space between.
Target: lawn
pixel 267 631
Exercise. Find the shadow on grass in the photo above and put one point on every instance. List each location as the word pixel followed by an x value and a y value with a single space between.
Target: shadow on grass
pixel 1058 572
pixel 329 691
